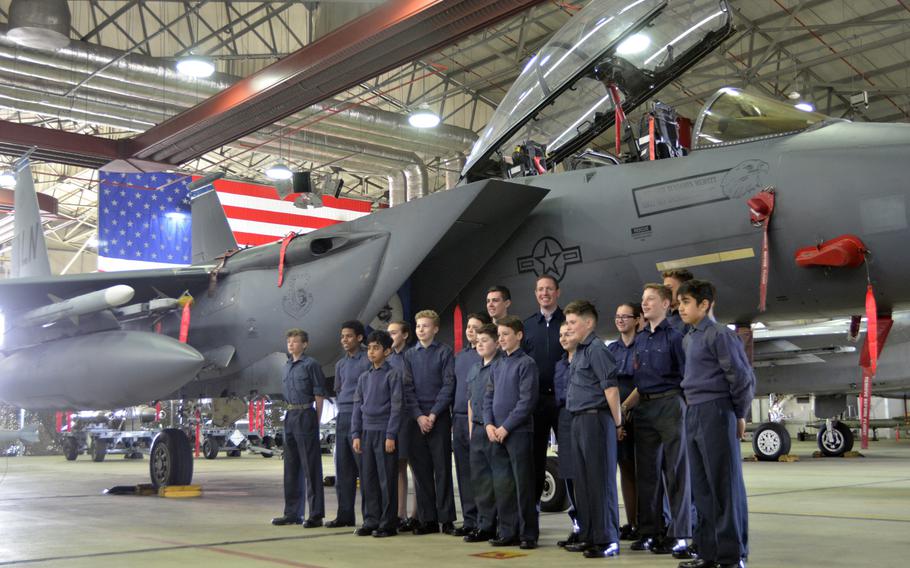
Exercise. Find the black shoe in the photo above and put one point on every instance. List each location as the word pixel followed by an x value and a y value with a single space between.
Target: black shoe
pixel 628 532
pixel 579 546
pixel 384 533
pixel 668 545
pixel 697 563
pixel 528 544
pixel 686 553
pixel 643 543
pixel 462 531
pixel 336 524
pixel 449 529
pixel 312 523
pixel 602 551
pixel 364 531
pixel 426 528
pixel 740 564
pixel 280 521
pixel 405 525
pixel 499 541
pixel 478 535
pixel 572 539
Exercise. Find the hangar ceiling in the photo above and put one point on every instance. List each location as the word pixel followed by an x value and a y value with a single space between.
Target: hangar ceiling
pixel 116 79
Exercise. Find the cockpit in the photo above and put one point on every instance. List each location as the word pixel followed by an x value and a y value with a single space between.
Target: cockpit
pixel 610 59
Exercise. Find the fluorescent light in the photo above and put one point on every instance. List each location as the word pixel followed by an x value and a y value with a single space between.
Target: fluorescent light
pixel 794 95
pixel 635 44
pixel 808 107
pixel 423 119
pixel 278 171
pixel 196 66
pixel 7 179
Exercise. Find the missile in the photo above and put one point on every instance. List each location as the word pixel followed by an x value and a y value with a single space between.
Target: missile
pixel 108 369
pixel 92 302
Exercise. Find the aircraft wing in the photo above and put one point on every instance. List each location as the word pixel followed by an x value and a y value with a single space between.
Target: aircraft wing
pixel 25 293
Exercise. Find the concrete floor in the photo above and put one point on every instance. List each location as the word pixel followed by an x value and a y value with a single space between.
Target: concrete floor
pixel 817 512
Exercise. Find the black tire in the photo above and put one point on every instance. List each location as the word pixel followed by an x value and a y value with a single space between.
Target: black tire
pixel 770 441
pixel 210 448
pixel 554 497
pixel 233 453
pixel 99 450
pixel 70 449
pixel 267 443
pixel 837 442
pixel 171 459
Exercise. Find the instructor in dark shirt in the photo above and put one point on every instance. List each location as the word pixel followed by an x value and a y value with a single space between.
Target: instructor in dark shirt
pixel 541 342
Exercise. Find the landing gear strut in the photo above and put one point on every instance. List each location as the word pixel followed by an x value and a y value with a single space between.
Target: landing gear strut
pixel 835 439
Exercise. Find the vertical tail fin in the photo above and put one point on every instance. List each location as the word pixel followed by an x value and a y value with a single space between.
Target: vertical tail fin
pixel 211 233
pixel 29 248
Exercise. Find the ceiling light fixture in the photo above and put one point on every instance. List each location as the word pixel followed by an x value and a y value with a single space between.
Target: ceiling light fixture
pixel 7 179
pixel 278 171
pixel 424 118
pixel 807 107
pixel 197 66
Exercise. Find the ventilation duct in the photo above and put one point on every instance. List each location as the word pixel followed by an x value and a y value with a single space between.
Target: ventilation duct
pixel 40 24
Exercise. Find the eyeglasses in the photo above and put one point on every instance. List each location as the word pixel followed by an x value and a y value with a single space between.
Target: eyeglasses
pixel 623 317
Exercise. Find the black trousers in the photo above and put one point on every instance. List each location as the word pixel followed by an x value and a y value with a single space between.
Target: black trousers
pixel 717 482
pixel 378 482
pixel 513 486
pixel 430 456
pixel 660 447
pixel 546 418
pixel 461 448
pixel 302 464
pixel 347 466
pixel 594 451
pixel 482 479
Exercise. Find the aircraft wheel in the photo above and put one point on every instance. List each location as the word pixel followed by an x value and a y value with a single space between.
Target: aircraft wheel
pixel 171 459
pixel 835 442
pixel 99 450
pixel 70 449
pixel 210 448
pixel 267 443
pixel 770 441
pixel 554 497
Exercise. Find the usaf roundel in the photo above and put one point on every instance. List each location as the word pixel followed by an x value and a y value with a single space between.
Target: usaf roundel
pixel 549 257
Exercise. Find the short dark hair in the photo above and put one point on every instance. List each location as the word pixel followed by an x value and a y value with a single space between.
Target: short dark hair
pixel 381 337
pixel 699 290
pixel 297 332
pixel 405 327
pixel 663 291
pixel 636 308
pixel 482 318
pixel 680 274
pixel 506 294
pixel 354 326
pixel 512 322
pixel 581 308
pixel 548 277
pixel 488 329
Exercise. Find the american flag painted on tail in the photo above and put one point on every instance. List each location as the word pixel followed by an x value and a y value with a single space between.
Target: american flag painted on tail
pixel 144 218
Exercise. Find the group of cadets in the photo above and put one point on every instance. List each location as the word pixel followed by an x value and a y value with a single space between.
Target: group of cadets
pixel 665 404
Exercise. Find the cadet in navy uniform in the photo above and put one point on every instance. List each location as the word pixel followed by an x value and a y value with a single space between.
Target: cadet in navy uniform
pixel 347 370
pixel 507 414
pixel 461 441
pixel 481 468
pixel 627 319
pixel 541 342
pixel 429 392
pixel 303 384
pixel 672 280
pixel 569 344
pixel 593 400
pixel 400 331
pixel 718 385
pixel 374 431
pixel 660 433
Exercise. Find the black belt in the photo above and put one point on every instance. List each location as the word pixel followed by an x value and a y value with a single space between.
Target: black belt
pixel 591 411
pixel 300 406
pixel 657 395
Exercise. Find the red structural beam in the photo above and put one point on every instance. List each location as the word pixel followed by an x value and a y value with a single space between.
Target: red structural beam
pixel 57 146
pixel 389 36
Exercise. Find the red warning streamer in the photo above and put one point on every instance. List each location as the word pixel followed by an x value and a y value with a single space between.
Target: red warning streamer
pixel 869 370
pixel 458 328
pixel 185 322
pixel 760 209
pixel 618 114
pixel 284 247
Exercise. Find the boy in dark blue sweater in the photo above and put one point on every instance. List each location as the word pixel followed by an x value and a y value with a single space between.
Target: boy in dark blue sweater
pixel 507 414
pixel 374 430
pixel 718 385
